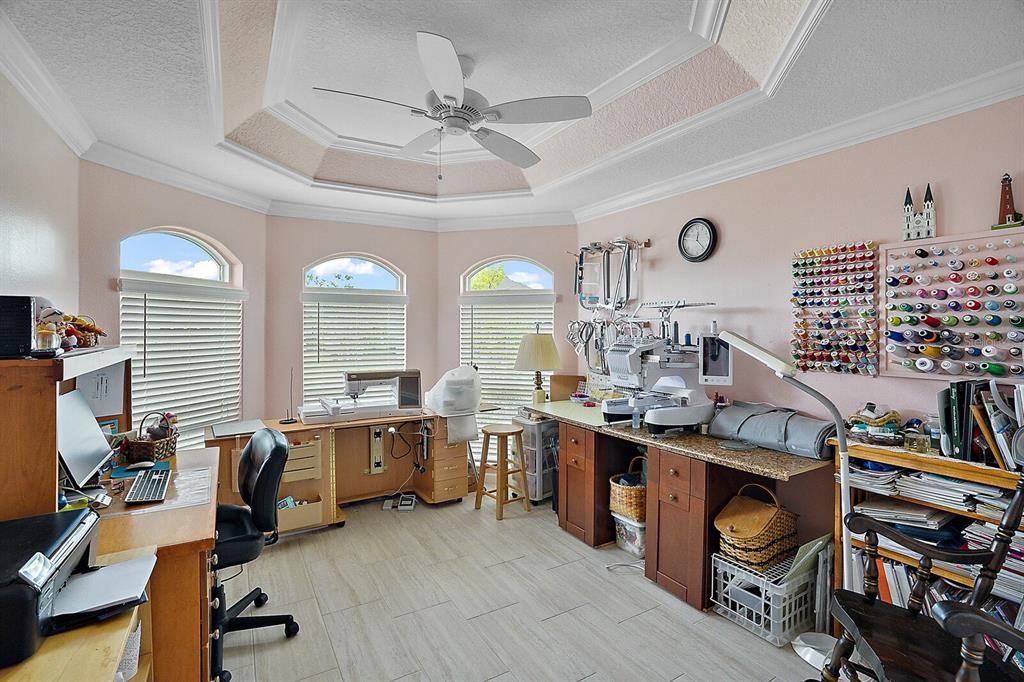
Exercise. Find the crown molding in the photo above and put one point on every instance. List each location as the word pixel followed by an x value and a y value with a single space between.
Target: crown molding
pixel 22 67
pixel 209 19
pixel 282 51
pixel 809 19
pixel 290 173
pixel 975 93
pixel 707 18
pixel 288 113
pixel 686 126
pixel 287 209
pixel 555 218
pixel 129 162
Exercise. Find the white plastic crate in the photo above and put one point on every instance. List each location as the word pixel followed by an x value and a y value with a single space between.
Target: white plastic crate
pixel 630 535
pixel 543 433
pixel 539 485
pixel 760 602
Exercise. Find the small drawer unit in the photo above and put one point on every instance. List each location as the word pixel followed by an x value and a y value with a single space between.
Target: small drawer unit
pixel 304 463
pixel 539 456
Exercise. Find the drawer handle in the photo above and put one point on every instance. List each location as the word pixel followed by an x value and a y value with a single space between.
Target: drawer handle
pixel 671 497
pixel 574 460
pixel 574 441
pixel 673 472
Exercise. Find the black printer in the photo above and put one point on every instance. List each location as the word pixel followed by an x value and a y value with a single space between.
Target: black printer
pixel 37 556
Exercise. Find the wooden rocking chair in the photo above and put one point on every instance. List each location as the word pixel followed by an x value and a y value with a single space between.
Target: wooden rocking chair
pixel 900 644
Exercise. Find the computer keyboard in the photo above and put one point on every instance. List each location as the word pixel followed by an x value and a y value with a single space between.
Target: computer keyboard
pixel 150 486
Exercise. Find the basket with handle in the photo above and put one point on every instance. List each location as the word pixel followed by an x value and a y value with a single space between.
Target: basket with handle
pixel 755 533
pixel 145 450
pixel 629 500
pixel 87 339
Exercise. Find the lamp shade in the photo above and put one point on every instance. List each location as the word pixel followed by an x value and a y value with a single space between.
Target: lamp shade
pixel 537 352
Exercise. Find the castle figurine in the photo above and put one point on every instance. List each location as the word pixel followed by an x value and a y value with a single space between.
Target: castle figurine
pixel 1008 215
pixel 919 225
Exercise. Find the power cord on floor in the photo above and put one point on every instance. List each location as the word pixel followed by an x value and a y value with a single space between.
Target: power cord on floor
pixel 629 564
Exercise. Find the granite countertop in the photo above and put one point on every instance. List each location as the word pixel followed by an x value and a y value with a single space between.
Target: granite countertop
pixel 770 463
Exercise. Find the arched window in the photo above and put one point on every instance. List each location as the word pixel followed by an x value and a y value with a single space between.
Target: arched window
pixel 502 299
pixel 184 317
pixel 353 318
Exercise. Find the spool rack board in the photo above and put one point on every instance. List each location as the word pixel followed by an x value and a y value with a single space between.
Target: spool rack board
pixel 953 306
pixel 835 321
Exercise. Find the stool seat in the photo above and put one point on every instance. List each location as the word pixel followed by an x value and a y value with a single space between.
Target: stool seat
pixel 502 429
pixel 501 494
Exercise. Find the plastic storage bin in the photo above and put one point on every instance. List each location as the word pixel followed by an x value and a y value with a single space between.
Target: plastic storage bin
pixel 760 602
pixel 540 440
pixel 542 433
pixel 630 535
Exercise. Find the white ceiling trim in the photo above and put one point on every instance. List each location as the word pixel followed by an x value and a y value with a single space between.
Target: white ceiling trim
pixel 991 88
pixel 209 19
pixel 234 147
pixel 282 51
pixel 809 19
pixel 145 167
pixel 334 214
pixel 21 66
pixel 506 221
pixel 686 126
pixel 707 18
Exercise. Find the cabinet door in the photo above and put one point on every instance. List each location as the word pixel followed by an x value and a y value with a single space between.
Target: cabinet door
pixel 681 544
pixel 575 500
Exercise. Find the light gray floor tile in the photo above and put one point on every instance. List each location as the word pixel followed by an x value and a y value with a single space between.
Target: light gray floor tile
pixel 447 646
pixel 341 583
pixel 405 586
pixel 526 648
pixel 471 586
pixel 368 645
pixel 284 659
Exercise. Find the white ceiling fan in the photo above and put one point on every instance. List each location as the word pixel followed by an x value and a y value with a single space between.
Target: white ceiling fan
pixel 459 110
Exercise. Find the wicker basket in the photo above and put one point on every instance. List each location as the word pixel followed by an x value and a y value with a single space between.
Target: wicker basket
pixel 629 500
pixel 145 450
pixel 87 339
pixel 755 533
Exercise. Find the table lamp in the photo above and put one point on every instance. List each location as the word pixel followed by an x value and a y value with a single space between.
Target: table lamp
pixel 537 353
pixel 787 373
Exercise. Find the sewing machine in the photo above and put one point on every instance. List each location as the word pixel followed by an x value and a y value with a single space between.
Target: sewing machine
pixel 401 395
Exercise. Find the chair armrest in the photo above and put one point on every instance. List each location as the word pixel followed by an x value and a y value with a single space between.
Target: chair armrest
pixel 862 523
pixel 963 620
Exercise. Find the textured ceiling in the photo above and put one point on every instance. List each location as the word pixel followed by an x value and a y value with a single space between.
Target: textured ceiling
pixel 135 71
pixel 526 48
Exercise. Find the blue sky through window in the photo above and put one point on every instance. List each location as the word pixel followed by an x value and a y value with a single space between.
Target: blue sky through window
pixel 169 254
pixel 350 272
pixel 518 274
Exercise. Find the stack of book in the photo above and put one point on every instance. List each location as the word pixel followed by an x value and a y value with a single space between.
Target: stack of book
pixel 872 480
pixel 903 513
pixel 978 421
pixel 951 493
pixel 1010 580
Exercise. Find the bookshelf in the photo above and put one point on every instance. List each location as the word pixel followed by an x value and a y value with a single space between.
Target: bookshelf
pixel 934 464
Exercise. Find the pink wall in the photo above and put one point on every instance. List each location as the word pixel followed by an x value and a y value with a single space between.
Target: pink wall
pixel 458 251
pixel 38 206
pixel 848 195
pixel 294 243
pixel 114 205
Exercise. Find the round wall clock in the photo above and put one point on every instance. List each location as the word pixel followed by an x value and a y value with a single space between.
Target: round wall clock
pixel 697 240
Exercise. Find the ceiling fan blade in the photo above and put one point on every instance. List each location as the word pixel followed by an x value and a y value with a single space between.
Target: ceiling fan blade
pixel 422 143
pixel 415 110
pixel 504 147
pixel 441 66
pixel 539 110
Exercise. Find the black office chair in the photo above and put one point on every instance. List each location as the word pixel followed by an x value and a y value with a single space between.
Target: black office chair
pixel 242 532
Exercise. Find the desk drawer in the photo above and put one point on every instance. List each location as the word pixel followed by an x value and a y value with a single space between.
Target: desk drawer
pixel 674 473
pixel 451 489
pixel 304 463
pixel 449 469
pixel 441 450
pixel 674 498
pixel 574 446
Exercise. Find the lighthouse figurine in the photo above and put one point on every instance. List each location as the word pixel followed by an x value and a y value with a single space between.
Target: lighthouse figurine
pixel 1008 216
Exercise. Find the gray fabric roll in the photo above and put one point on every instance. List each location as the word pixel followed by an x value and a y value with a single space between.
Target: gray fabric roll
pixel 775 428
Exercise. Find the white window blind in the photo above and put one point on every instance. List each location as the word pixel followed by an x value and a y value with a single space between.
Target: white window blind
pixel 345 336
pixel 188 358
pixel 489 338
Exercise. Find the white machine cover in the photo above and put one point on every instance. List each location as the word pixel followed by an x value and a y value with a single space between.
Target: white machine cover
pixel 457 396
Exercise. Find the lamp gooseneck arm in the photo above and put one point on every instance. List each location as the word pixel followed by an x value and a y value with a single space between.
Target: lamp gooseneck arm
pixel 844 473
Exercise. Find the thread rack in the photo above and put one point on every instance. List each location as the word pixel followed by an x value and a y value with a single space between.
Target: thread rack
pixel 954 306
pixel 835 319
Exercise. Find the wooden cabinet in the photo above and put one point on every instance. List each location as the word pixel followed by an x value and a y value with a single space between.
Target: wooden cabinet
pixel 445 476
pixel 575 497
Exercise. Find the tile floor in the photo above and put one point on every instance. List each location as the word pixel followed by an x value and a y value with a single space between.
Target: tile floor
pixel 448 593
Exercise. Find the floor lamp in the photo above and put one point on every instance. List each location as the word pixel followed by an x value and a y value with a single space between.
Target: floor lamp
pixel 787 373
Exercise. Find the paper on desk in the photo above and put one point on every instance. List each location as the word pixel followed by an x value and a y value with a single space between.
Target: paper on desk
pixel 106 586
pixel 242 428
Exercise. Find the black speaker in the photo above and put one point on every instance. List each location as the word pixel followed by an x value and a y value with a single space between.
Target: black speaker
pixel 17 325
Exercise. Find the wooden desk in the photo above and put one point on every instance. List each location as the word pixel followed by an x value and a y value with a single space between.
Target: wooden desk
pixel 92 652
pixel 689 480
pixel 181 581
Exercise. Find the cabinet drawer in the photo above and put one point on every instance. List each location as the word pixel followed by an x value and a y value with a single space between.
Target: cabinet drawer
pixel 440 449
pixel 452 489
pixel 574 444
pixel 674 472
pixel 304 463
pixel 674 498
pixel 448 469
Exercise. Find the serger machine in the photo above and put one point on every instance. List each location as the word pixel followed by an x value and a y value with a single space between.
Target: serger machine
pixel 399 395
pixel 663 379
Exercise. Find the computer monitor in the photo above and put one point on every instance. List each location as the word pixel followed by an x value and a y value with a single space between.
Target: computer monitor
pixel 81 444
pixel 715 362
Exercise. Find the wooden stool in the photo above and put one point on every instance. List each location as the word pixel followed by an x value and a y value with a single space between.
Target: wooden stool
pixel 500 494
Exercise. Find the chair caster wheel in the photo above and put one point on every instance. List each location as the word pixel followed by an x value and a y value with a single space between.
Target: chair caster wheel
pixel 291 629
pixel 224 676
pixel 261 600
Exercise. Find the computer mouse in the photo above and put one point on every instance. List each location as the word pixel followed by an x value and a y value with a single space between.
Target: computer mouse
pixel 139 466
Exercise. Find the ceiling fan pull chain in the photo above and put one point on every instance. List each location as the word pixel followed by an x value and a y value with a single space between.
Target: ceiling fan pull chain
pixel 440 139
